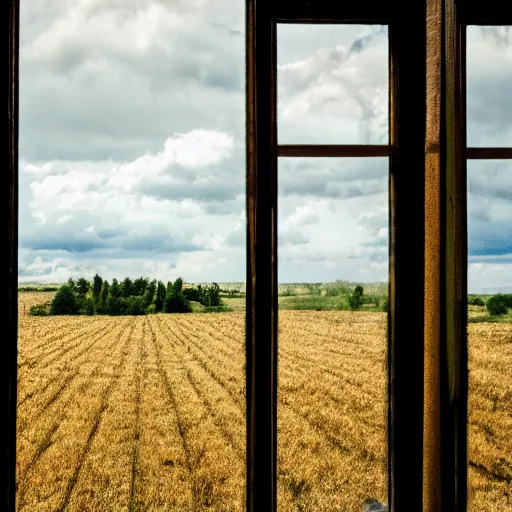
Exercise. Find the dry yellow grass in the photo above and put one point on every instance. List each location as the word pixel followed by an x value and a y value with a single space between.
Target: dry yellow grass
pixel 27 299
pixel 148 413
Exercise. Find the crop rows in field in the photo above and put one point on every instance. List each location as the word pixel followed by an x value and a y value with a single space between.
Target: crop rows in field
pixel 148 413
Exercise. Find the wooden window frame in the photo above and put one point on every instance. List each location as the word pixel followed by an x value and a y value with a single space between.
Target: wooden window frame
pixel 427 345
pixel 445 457
pixel 405 319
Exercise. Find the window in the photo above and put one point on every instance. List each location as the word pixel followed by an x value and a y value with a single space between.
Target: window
pixel 427 348
pixel 489 189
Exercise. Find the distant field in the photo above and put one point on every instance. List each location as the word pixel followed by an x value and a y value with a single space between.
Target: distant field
pixel 148 413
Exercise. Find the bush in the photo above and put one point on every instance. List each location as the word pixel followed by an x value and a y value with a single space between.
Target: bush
pixel 371 299
pixel 207 296
pixel 217 309
pixel 193 294
pixel 115 306
pixel 134 305
pixel 507 298
pixel 40 309
pixel 497 305
pixel 211 296
pixel 473 300
pixel 65 302
pixel 313 288
pixel 151 309
pixel 385 304
pixel 86 306
pixel 175 302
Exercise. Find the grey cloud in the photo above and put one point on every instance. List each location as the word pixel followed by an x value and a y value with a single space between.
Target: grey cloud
pixel 65 243
pixel 236 238
pixel 377 242
pixel 127 242
pixel 489 75
pixel 85 99
pixel 306 258
pixel 292 238
pixel 332 178
pixel 362 42
pixel 166 188
pixel 334 190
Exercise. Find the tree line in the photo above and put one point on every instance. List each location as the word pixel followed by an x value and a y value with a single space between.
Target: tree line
pixel 128 297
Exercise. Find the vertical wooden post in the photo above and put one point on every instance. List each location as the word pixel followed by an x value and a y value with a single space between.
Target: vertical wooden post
pixel 445 425
pixel 261 297
pixel 9 268
pixel 406 259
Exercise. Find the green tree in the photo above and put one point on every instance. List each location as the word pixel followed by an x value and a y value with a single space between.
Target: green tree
pixel 72 284
pixel 82 287
pixel 211 295
pixel 160 296
pixel 127 288
pixel 178 285
pixel 149 293
pixel 194 294
pixel 115 289
pixel 139 286
pixel 86 306
pixel 97 284
pixel 133 305
pixel 175 302
pixel 102 306
pixel 356 299
pixel 64 302
pixel 115 305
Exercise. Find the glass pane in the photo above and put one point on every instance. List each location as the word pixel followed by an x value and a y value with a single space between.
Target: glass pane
pixel 489 97
pixel 333 237
pixel 490 333
pixel 132 158
pixel 332 84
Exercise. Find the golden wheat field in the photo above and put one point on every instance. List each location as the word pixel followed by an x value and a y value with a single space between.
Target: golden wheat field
pixel 148 413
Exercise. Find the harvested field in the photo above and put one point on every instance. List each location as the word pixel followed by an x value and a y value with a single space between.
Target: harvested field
pixel 148 413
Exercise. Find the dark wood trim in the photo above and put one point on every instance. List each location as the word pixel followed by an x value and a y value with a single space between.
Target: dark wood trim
pixel 261 301
pixel 334 150
pixel 434 300
pixel 445 435
pixel 406 209
pixel 365 12
pixel 489 12
pixel 489 153
pixel 9 268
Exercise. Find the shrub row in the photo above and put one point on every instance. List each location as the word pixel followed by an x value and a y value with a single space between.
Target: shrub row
pixel 138 297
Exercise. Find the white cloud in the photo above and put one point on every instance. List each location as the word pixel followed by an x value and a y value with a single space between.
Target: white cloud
pixel 132 152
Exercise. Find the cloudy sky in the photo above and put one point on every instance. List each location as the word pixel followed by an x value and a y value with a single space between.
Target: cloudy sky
pixel 132 145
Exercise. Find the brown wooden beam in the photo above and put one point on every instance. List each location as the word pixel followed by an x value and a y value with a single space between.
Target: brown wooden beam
pixel 445 422
pixel 488 12
pixel 327 11
pixel 489 153
pixel 406 258
pixel 334 150
pixel 9 267
pixel 261 277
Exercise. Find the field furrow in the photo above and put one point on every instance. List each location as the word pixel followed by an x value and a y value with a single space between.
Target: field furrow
pixel 216 470
pixel 148 414
pixel 54 475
